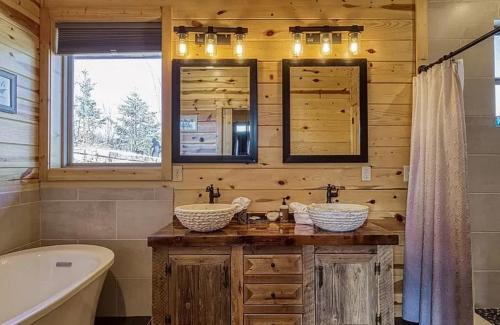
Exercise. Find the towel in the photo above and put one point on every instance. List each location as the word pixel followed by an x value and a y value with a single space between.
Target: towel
pixel 241 203
pixel 300 213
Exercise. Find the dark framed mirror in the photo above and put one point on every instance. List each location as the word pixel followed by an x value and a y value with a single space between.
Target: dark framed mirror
pixel 214 111
pixel 325 111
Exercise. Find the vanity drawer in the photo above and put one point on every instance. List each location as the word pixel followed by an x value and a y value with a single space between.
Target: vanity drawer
pixel 273 294
pixel 273 264
pixel 273 319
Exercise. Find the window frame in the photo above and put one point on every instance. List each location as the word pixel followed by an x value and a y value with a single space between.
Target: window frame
pixel 53 172
pixel 68 97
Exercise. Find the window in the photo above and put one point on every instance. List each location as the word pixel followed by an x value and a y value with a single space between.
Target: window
pixel 114 109
pixel 112 93
pixel 497 75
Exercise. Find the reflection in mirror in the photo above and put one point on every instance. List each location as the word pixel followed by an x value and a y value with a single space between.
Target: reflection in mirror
pixel 325 111
pixel 216 112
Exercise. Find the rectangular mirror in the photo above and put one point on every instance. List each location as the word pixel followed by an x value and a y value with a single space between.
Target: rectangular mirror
pixel 325 113
pixel 214 111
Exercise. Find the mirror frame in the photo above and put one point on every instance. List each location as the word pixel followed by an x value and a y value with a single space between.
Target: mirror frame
pixel 177 64
pixel 363 111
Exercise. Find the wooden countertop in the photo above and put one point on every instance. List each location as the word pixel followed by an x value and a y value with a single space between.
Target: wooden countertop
pixel 374 232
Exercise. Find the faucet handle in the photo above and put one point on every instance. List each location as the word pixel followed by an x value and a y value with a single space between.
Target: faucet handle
pixel 210 188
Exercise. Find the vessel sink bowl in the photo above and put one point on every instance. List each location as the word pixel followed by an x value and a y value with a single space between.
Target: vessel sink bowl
pixel 338 217
pixel 205 217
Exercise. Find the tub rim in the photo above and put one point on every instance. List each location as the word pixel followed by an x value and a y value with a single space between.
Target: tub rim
pixel 106 258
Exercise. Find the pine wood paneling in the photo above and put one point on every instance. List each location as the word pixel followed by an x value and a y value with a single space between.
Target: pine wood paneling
pixel 303 9
pixel 19 55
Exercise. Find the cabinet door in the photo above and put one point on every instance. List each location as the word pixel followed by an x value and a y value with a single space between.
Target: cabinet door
pixel 346 289
pixel 199 290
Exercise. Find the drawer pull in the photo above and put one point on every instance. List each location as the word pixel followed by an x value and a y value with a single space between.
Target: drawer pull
pixel 273 295
pixel 273 265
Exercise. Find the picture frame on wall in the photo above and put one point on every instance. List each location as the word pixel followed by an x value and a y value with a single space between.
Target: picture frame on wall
pixel 8 92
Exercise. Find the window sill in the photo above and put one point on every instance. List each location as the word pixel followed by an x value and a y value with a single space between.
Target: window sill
pixel 114 173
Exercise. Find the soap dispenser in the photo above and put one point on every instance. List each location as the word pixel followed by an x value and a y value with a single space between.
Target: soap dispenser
pixel 284 211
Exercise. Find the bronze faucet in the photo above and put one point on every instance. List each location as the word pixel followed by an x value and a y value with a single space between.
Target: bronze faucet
pixel 331 192
pixel 212 193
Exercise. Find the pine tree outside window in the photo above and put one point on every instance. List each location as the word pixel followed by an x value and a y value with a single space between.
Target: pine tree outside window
pixel 114 109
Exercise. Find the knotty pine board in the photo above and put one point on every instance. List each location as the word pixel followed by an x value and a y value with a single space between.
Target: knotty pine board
pixel 19 44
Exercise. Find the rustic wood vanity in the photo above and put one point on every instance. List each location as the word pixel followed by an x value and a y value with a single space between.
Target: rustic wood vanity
pixel 266 273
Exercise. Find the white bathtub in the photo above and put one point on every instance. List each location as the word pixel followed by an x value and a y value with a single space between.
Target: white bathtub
pixel 52 285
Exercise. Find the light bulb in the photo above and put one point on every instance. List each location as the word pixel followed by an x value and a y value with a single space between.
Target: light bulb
pixel 326 43
pixel 297 44
pixel 354 43
pixel 211 44
pixel 238 45
pixel 182 49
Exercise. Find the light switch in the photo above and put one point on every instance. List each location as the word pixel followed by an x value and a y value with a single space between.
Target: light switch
pixel 177 173
pixel 366 173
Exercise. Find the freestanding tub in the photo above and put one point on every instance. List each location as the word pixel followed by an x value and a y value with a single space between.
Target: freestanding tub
pixel 52 285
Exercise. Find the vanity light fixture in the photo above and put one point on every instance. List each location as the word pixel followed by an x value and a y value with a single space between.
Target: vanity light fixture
pixel 211 37
pixel 325 36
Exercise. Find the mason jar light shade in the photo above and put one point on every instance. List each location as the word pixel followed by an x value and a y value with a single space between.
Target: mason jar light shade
pixel 354 43
pixel 239 48
pixel 211 44
pixel 326 43
pixel 297 44
pixel 182 47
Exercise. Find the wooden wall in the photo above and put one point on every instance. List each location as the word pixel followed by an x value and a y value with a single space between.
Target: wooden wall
pixel 19 188
pixel 324 110
pixel 19 54
pixel 387 43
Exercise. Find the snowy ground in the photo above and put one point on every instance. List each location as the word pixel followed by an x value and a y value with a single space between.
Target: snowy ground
pixel 92 155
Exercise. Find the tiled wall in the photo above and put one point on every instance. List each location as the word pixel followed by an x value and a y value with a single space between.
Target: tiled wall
pixel 452 24
pixel 117 218
pixel 19 220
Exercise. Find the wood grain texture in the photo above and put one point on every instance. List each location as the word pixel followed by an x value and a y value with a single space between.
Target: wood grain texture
pixel 160 285
pixel 199 289
pixel 309 316
pixel 166 79
pixel 237 285
pixel 272 264
pixel 324 110
pixel 269 233
pixel 386 284
pixel 273 294
pixel 19 139
pixel 257 319
pixel 346 289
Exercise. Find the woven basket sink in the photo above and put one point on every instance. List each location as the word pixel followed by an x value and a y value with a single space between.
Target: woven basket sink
pixel 338 216
pixel 205 217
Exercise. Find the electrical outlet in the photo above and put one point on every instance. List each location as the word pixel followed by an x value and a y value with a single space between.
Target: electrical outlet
pixel 406 173
pixel 177 173
pixel 366 173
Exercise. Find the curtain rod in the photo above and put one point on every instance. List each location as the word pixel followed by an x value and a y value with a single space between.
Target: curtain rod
pixel 448 56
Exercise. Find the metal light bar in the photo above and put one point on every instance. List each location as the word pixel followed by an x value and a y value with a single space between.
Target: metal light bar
pixel 211 29
pixel 326 29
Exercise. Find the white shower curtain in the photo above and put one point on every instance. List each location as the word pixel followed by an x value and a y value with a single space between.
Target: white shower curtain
pixel 437 271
